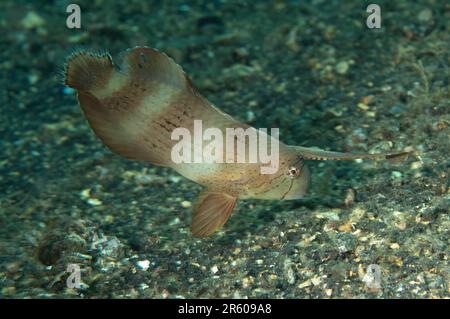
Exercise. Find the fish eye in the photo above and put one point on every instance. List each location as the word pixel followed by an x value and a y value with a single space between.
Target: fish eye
pixel 293 172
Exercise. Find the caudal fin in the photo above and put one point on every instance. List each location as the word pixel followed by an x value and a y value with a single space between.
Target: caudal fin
pixel 87 71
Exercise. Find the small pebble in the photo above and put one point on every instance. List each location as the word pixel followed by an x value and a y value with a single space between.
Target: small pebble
pixel 143 286
pixel 363 106
pixel 32 20
pixel 396 174
pixel 425 15
pixel 143 264
pixel 342 67
pixel 33 78
pixel 85 193
pixel 214 269
pixel 94 202
pixel 416 165
pixel 174 221
pixel 174 179
pixel 316 280
pixel 305 284
pixel 401 225
pixel 186 204
pixel 350 197
pixel 288 271
pixel 366 99
pixel 330 215
pixel 348 228
pixel 273 277
pixel 246 282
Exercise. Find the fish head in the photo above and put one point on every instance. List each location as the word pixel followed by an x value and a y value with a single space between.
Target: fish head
pixel 291 181
pixel 298 178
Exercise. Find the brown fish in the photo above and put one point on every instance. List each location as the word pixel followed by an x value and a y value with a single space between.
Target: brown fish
pixel 135 109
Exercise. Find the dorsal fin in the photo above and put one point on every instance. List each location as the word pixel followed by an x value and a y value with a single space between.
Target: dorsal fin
pixel 319 154
pixel 147 64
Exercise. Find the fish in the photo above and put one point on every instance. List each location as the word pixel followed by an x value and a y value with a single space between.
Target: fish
pixel 135 107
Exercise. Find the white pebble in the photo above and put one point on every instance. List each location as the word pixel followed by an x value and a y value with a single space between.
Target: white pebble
pixel 174 221
pixel 143 264
pixel 32 20
pixel 186 204
pixel 174 179
pixel 94 202
pixel 342 67
pixel 396 174
pixel 85 193
pixel 214 269
pixel 425 15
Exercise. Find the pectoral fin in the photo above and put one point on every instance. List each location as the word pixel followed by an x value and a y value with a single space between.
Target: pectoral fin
pixel 211 212
pixel 318 154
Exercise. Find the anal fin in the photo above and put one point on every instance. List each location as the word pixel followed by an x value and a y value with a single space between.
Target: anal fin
pixel 211 212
